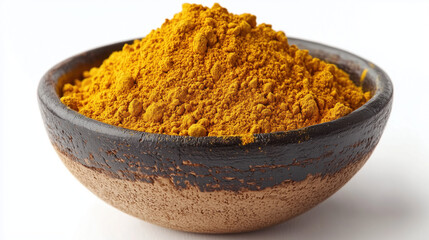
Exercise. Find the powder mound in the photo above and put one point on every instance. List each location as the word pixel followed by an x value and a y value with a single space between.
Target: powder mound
pixel 207 72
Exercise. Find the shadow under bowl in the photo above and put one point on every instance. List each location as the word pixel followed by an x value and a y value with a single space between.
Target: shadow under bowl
pixel 214 184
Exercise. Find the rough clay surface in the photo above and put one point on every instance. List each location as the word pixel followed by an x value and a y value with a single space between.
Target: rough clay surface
pixel 210 212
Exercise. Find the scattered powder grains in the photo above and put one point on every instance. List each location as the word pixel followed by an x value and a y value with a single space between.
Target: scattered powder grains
pixel 207 72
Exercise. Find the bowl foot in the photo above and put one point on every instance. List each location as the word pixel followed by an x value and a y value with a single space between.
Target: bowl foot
pixel 191 210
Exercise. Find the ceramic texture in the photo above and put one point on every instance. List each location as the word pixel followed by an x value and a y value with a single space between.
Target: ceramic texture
pixel 213 184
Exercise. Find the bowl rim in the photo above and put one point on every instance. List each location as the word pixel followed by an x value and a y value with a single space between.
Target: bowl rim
pixel 48 97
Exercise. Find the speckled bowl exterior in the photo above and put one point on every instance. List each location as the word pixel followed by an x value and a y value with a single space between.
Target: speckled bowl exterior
pixel 214 184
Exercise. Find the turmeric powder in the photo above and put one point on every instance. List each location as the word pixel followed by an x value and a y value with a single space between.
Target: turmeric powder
pixel 207 72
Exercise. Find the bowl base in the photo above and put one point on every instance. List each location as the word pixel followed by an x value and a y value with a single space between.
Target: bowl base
pixel 191 210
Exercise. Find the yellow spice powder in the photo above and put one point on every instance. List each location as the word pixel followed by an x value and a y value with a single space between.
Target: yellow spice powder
pixel 207 72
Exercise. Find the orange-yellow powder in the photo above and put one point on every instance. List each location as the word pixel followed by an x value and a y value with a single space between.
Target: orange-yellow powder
pixel 207 72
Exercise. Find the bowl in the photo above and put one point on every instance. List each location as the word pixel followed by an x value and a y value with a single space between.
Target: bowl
pixel 215 184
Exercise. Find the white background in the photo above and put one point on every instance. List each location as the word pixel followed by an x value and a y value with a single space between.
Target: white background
pixel 40 199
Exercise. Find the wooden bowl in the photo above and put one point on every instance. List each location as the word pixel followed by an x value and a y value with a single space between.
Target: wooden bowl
pixel 213 184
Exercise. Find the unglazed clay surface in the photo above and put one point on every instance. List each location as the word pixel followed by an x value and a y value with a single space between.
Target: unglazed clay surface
pixel 222 211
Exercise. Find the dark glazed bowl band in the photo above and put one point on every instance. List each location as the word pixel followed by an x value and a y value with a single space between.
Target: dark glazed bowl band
pixel 213 163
